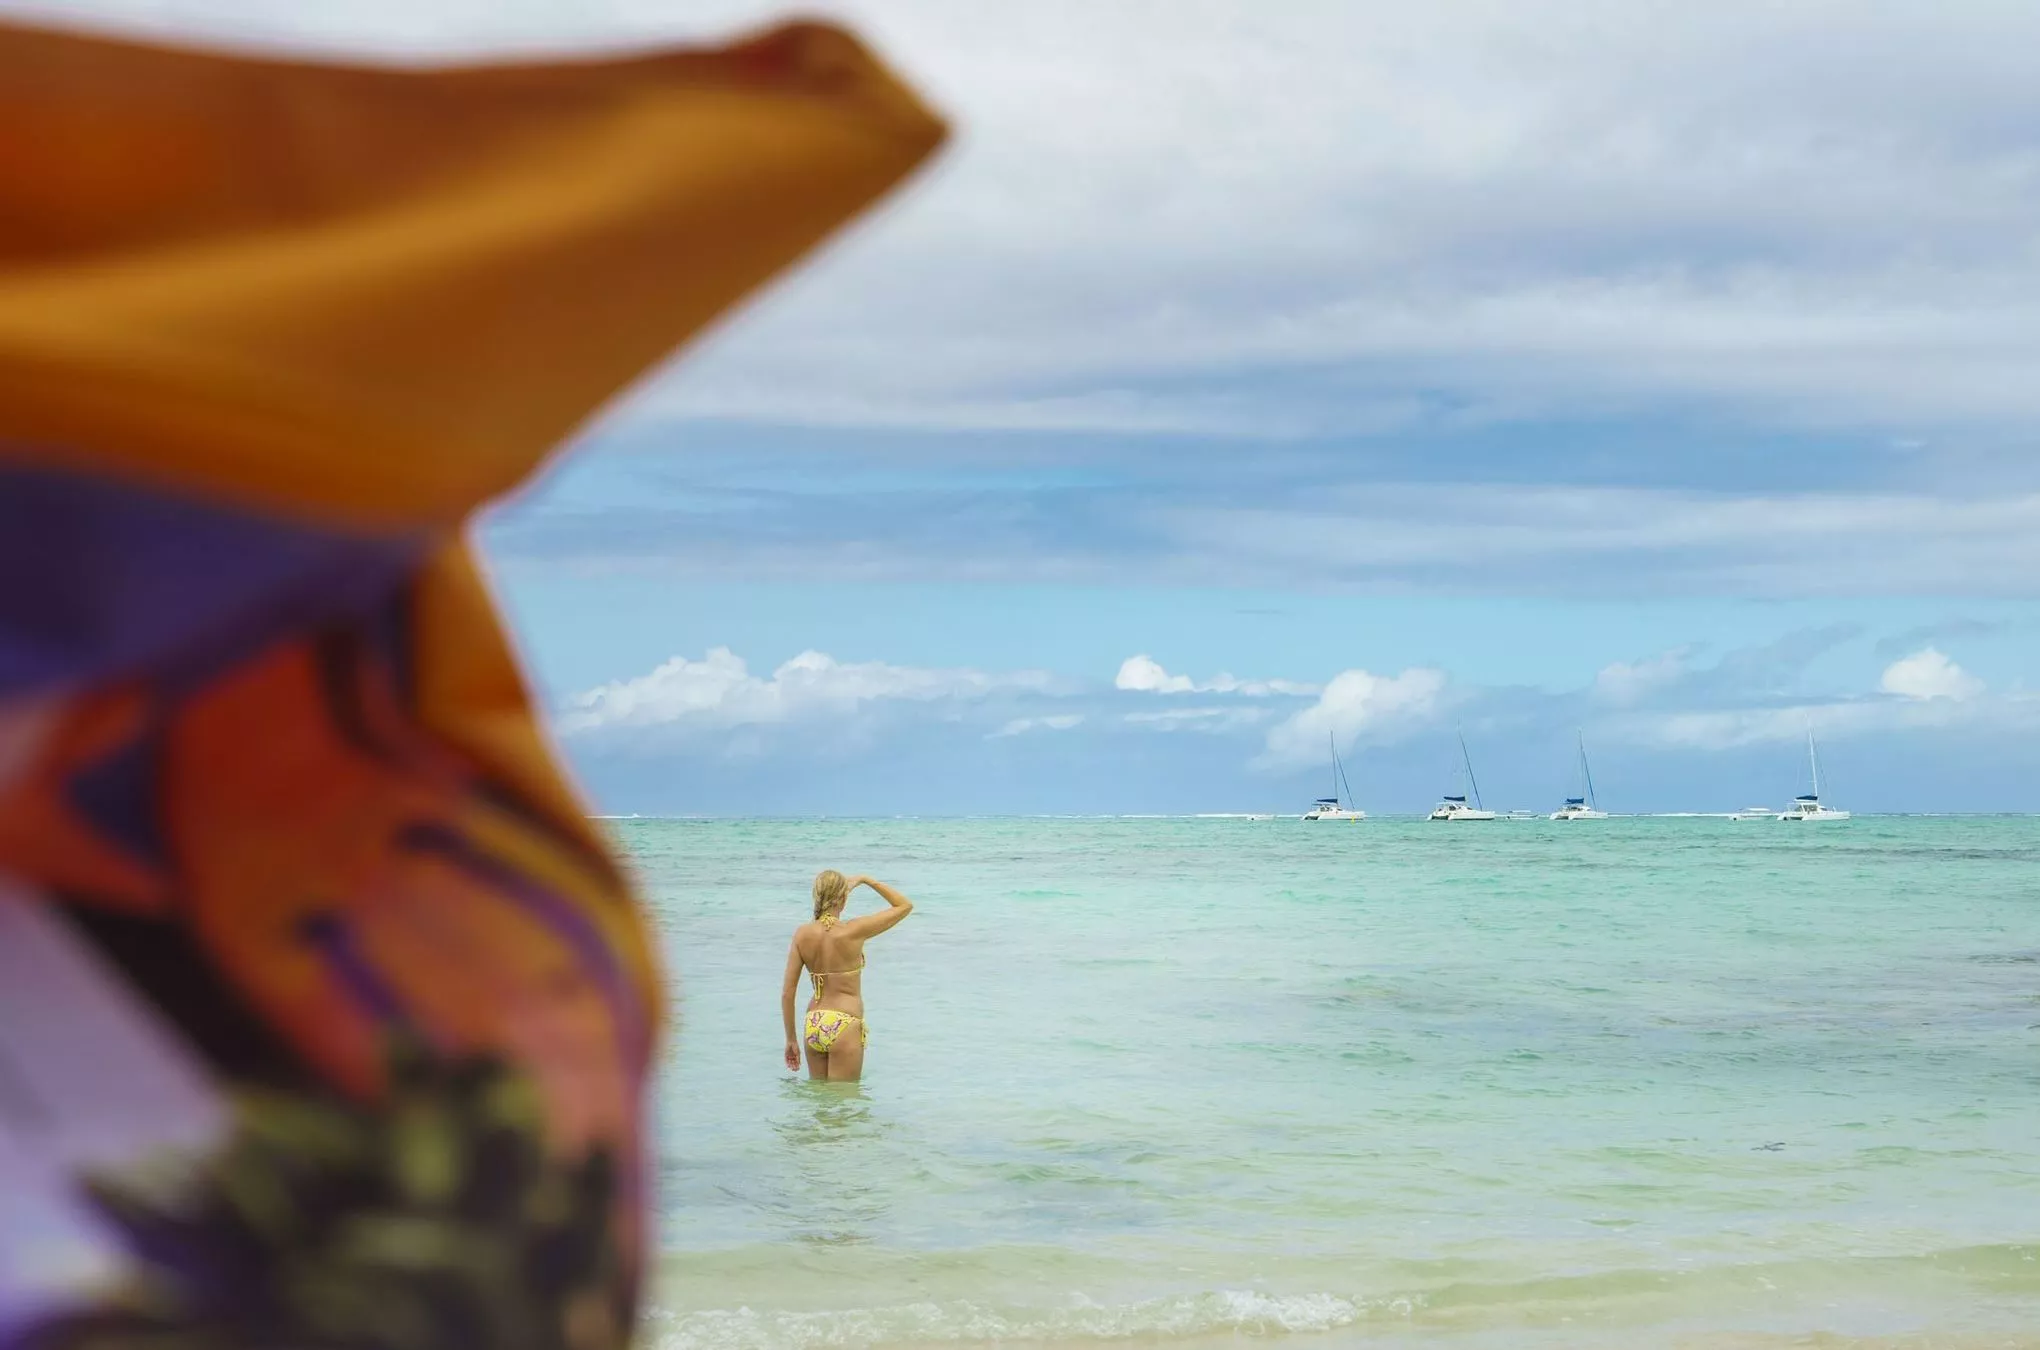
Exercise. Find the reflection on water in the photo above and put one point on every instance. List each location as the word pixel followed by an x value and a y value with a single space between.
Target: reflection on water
pixel 822 1112
pixel 829 1132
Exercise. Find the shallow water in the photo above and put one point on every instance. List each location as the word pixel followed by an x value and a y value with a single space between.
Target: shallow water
pixel 1631 1082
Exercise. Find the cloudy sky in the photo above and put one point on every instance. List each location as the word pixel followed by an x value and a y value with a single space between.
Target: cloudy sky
pixel 1250 374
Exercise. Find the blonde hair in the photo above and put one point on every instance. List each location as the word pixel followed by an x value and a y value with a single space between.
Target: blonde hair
pixel 832 888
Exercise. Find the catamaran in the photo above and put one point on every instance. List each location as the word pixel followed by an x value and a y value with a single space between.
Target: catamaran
pixel 1455 808
pixel 1807 807
pixel 1582 808
pixel 1332 808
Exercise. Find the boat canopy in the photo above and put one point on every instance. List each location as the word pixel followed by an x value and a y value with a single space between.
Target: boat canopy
pixel 1575 801
pixel 1806 797
pixel 1328 801
pixel 1461 800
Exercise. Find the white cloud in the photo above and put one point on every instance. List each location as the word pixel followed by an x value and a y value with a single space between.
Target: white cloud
pixel 719 691
pixel 1384 536
pixel 1020 726
pixel 1143 674
pixel 1624 682
pixel 1511 241
pixel 1605 538
pixel 1356 703
pixel 1927 674
pixel 1924 691
pixel 1731 728
pixel 1697 202
pixel 1199 719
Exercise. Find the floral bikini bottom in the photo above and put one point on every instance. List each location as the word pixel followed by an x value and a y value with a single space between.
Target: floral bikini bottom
pixel 825 1026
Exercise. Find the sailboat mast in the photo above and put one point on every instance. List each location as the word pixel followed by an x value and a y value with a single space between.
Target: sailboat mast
pixel 1333 736
pixel 1471 782
pixel 1813 760
pixel 1587 772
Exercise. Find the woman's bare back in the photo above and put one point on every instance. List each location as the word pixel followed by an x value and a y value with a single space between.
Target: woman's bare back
pixel 838 958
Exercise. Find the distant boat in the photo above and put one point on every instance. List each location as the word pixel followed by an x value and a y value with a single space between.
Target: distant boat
pixel 1332 808
pixel 1807 807
pixel 1582 808
pixel 1455 808
pixel 1753 813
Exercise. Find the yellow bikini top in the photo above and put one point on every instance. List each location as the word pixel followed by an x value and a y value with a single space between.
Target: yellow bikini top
pixel 821 976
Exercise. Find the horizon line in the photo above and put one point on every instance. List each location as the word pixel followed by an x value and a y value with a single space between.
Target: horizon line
pixel 1258 815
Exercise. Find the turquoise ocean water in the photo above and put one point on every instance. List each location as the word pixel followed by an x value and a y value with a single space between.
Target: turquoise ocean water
pixel 1627 1083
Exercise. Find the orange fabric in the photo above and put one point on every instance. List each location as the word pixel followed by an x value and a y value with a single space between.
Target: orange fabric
pixel 270 331
pixel 381 296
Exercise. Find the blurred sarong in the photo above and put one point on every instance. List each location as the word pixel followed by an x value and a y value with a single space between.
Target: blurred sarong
pixel 325 1016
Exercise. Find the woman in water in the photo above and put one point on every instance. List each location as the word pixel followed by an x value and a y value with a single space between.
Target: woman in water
pixel 832 949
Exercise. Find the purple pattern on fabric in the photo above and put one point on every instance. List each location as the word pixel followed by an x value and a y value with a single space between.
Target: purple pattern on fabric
pixel 550 910
pixel 632 1034
pixel 102 579
pixel 328 933
pixel 118 796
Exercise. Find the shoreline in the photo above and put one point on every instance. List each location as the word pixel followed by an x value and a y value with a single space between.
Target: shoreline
pixel 801 1295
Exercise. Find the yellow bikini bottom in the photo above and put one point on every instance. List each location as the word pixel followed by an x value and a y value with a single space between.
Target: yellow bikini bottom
pixel 825 1026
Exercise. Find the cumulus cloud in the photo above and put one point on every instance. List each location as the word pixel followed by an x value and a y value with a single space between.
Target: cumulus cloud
pixel 1144 674
pixel 719 691
pixel 1354 704
pixel 1927 674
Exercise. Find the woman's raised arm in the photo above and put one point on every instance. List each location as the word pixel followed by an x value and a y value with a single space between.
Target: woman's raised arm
pixel 897 907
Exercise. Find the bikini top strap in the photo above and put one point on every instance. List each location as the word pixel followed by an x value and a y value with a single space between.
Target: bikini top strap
pixel 821 976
